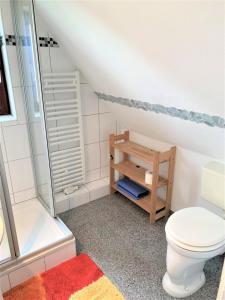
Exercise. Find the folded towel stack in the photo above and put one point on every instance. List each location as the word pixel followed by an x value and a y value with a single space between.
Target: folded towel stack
pixel 133 189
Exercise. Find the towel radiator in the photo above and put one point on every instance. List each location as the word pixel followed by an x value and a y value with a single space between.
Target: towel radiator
pixel 62 105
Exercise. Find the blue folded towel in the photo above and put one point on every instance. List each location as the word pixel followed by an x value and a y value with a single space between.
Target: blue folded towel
pixel 132 188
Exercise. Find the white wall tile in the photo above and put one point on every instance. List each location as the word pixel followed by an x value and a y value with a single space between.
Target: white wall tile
pixel 60 256
pixel 103 106
pixel 80 197
pixel 98 189
pixel 93 175
pixel 16 142
pixel 89 101
pixel 104 150
pixel 4 283
pixel 107 126
pixel 21 174
pixel 92 156
pixel 26 272
pixel 24 195
pixel 91 129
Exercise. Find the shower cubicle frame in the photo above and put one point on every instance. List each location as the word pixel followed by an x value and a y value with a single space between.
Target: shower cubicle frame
pixel 51 207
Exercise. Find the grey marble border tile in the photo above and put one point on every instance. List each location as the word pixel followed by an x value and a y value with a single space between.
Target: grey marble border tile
pixel 213 121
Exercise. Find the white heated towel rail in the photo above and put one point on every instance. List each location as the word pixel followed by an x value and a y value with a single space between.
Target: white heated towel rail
pixel 64 129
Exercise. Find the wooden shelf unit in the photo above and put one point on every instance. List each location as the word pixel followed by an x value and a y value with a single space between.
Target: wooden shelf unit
pixel 155 206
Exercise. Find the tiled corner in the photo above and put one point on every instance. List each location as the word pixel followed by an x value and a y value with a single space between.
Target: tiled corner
pixel 92 156
pixel 105 172
pixel 26 272
pixel 98 189
pixel 60 255
pixel 16 136
pixel 24 195
pixel 21 167
pixel 93 175
pixel 107 126
pixel 104 149
pixel 4 283
pixel 89 101
pixel 91 129
pixel 62 205
pixel 103 107
pixel 80 197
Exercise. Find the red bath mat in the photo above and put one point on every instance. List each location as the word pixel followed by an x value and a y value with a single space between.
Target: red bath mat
pixel 76 279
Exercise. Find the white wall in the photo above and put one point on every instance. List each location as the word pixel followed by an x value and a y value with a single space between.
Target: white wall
pixel 168 52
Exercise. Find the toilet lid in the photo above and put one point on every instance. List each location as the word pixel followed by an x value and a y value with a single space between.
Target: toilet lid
pixel 196 226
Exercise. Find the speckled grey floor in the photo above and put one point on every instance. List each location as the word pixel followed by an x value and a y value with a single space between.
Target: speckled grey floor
pixel 117 235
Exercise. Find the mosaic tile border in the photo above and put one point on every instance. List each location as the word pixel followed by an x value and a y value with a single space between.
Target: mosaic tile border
pixel 25 41
pixel 47 42
pixel 212 121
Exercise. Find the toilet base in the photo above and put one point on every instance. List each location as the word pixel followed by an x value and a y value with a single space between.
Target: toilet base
pixel 180 291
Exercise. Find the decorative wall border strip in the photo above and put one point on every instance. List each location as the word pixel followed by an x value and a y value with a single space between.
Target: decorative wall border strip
pixel 10 40
pixel 47 42
pixel 213 121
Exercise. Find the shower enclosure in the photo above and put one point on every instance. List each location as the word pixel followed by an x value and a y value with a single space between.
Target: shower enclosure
pixel 55 138
pixel 27 50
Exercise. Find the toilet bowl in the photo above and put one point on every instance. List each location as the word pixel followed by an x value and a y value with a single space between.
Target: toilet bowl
pixel 194 235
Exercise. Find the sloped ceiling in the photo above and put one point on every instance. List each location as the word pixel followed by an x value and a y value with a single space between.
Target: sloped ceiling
pixel 161 52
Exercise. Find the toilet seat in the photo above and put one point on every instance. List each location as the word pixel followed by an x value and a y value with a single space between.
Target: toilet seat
pixel 196 229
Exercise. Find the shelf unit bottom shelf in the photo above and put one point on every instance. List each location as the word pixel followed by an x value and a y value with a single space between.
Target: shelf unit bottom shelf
pixel 144 202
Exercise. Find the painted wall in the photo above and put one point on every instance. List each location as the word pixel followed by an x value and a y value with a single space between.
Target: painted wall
pixel 161 51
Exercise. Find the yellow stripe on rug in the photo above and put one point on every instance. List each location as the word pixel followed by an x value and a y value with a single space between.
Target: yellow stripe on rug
pixel 102 289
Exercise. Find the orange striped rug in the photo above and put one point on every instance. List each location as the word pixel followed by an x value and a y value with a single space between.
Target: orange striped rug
pixel 76 279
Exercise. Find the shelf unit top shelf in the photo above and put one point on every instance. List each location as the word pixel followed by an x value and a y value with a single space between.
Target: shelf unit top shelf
pixel 144 202
pixel 144 153
pixel 136 173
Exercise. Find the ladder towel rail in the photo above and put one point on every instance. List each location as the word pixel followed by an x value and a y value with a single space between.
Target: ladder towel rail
pixel 64 129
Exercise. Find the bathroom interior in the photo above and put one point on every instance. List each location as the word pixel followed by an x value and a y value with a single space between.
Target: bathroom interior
pixel 149 74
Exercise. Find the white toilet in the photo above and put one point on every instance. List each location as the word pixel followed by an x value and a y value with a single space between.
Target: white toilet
pixel 195 235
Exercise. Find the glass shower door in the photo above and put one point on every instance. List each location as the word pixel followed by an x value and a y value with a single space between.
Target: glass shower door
pixel 25 30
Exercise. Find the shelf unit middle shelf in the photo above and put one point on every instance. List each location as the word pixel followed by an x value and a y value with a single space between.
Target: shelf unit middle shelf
pixel 136 173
